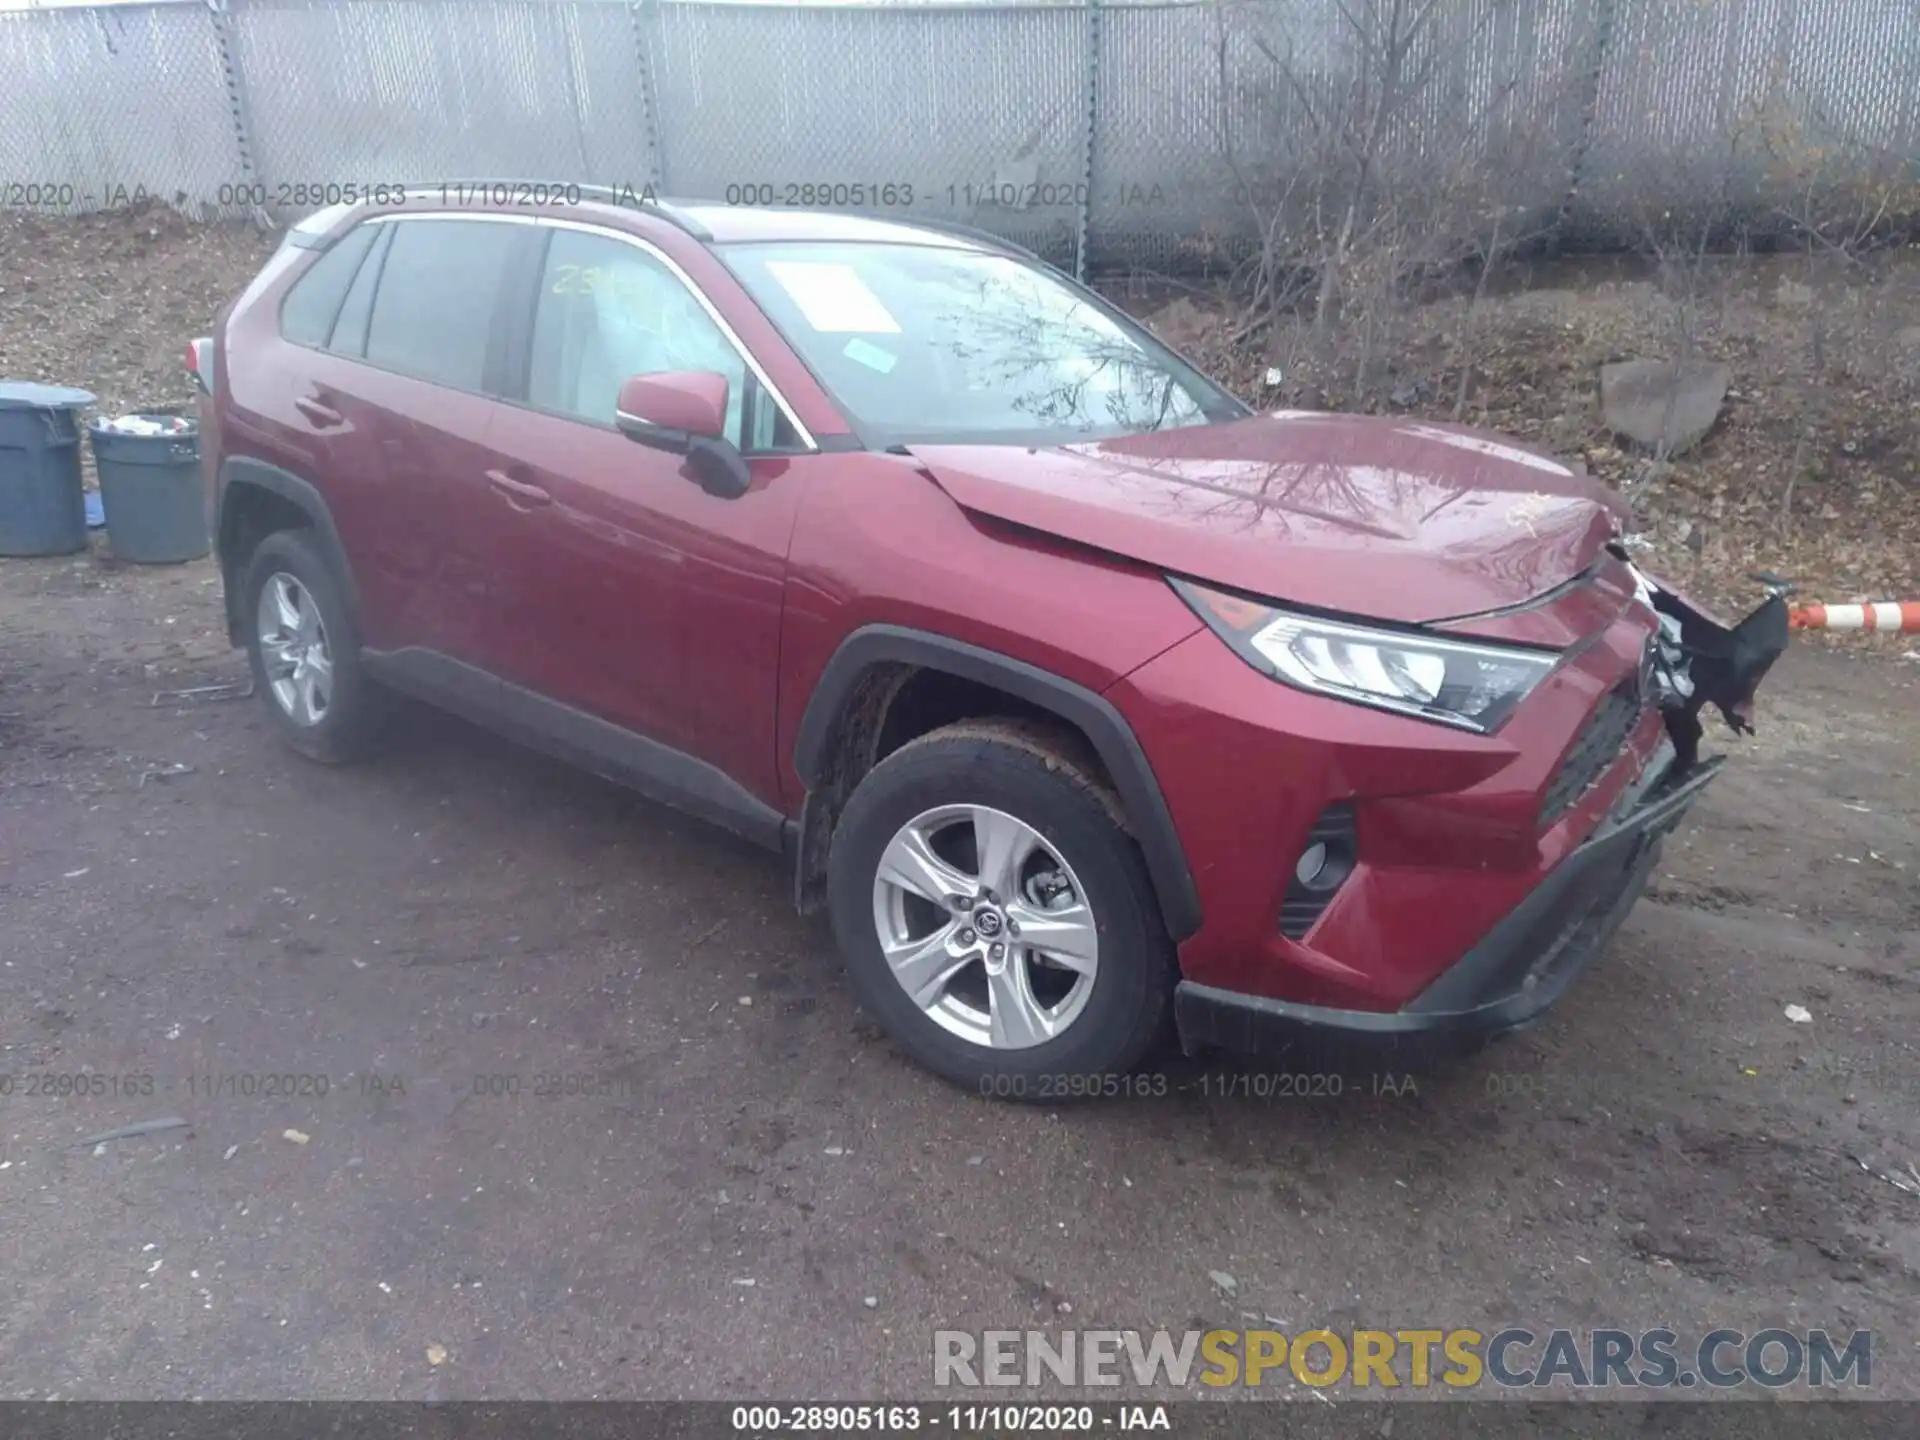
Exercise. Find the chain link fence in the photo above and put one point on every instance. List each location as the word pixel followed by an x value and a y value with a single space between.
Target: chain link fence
pixel 1100 134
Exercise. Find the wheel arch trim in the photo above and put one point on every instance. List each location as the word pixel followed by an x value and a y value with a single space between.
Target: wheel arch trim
pixel 1091 713
pixel 242 473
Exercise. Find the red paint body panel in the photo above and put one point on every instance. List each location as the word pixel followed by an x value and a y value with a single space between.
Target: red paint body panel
pixel 650 602
pixel 693 401
pixel 561 556
pixel 1366 516
pixel 879 543
pixel 1448 837
pixel 1584 610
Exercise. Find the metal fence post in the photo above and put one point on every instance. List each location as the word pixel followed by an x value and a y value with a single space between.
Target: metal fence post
pixel 1589 110
pixel 1726 112
pixel 1728 117
pixel 237 105
pixel 570 51
pixel 642 12
pixel 1907 121
pixel 1090 106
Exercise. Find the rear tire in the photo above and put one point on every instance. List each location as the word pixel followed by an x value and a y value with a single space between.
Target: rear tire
pixel 1050 1023
pixel 305 652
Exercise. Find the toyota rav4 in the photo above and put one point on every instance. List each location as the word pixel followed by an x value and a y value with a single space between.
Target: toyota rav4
pixel 1090 703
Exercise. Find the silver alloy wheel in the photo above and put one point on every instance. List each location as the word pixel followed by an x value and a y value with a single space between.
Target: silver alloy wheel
pixel 985 926
pixel 293 649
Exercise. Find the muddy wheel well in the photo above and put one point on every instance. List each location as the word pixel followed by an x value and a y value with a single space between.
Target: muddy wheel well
pixel 251 514
pixel 896 703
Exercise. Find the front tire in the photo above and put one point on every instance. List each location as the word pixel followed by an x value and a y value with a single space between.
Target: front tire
pixel 304 650
pixel 997 918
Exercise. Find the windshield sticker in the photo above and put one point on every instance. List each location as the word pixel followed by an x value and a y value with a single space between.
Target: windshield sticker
pixel 835 300
pixel 869 355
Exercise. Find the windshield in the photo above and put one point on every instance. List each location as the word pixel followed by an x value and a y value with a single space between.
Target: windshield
pixel 927 344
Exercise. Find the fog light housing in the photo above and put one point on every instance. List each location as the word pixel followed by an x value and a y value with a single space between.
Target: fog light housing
pixel 1311 865
pixel 1319 870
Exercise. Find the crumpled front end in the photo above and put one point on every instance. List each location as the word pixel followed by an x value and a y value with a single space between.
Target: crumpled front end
pixel 1701 662
pixel 1459 883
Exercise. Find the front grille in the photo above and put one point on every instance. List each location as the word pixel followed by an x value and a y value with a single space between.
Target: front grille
pixel 1596 747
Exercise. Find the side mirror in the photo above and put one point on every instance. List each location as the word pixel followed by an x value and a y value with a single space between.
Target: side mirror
pixel 684 412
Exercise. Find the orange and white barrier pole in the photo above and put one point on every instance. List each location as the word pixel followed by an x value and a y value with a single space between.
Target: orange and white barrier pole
pixel 1892 615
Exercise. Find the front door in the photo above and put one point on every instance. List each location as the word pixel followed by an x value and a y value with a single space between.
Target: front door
pixel 653 605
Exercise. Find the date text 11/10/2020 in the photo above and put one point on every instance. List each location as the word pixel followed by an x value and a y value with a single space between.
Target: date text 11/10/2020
pixel 279 1085
pixel 902 195
pixel 311 1085
pixel 65 195
pixel 492 194
pixel 61 195
pixel 1211 1083
pixel 200 1084
pixel 990 1419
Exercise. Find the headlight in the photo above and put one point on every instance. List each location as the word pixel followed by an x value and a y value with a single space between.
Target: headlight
pixel 1453 682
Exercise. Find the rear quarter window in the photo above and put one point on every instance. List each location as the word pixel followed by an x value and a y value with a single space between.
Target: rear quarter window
pixel 350 330
pixel 308 312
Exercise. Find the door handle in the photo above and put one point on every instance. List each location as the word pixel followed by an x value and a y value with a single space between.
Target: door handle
pixel 518 492
pixel 323 416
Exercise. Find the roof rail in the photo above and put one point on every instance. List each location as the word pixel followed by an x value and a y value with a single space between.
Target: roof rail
pixel 960 231
pixel 642 196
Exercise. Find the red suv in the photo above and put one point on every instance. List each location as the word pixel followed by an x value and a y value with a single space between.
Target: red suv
pixel 1086 699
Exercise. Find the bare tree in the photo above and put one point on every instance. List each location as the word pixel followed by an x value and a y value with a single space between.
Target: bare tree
pixel 1840 200
pixel 1687 267
pixel 1373 164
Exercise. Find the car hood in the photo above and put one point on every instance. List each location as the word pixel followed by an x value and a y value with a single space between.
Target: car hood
pixel 1390 518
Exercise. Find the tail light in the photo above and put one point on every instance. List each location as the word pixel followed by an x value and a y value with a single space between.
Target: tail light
pixel 200 363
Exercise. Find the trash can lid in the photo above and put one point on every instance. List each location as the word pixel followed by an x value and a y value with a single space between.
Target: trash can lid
pixel 148 423
pixel 32 395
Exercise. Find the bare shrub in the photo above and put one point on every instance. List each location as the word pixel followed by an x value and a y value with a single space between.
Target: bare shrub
pixel 1382 162
pixel 1841 199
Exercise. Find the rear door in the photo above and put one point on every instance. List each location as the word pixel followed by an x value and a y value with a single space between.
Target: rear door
pixel 418 347
pixel 337 441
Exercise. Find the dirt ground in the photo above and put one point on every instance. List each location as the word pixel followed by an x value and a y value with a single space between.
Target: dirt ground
pixel 601 1118
pixel 1667 1148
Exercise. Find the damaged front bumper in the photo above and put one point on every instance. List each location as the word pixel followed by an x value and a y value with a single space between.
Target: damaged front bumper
pixel 1697 661
pixel 1532 956
pixel 1522 967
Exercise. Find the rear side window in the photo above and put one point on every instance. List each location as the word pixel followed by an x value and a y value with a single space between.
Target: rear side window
pixel 439 285
pixel 307 314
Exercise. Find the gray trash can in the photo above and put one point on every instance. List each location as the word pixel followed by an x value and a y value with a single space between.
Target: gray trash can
pixel 150 486
pixel 42 510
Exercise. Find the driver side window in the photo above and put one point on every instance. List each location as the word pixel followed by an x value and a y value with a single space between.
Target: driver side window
pixel 607 311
